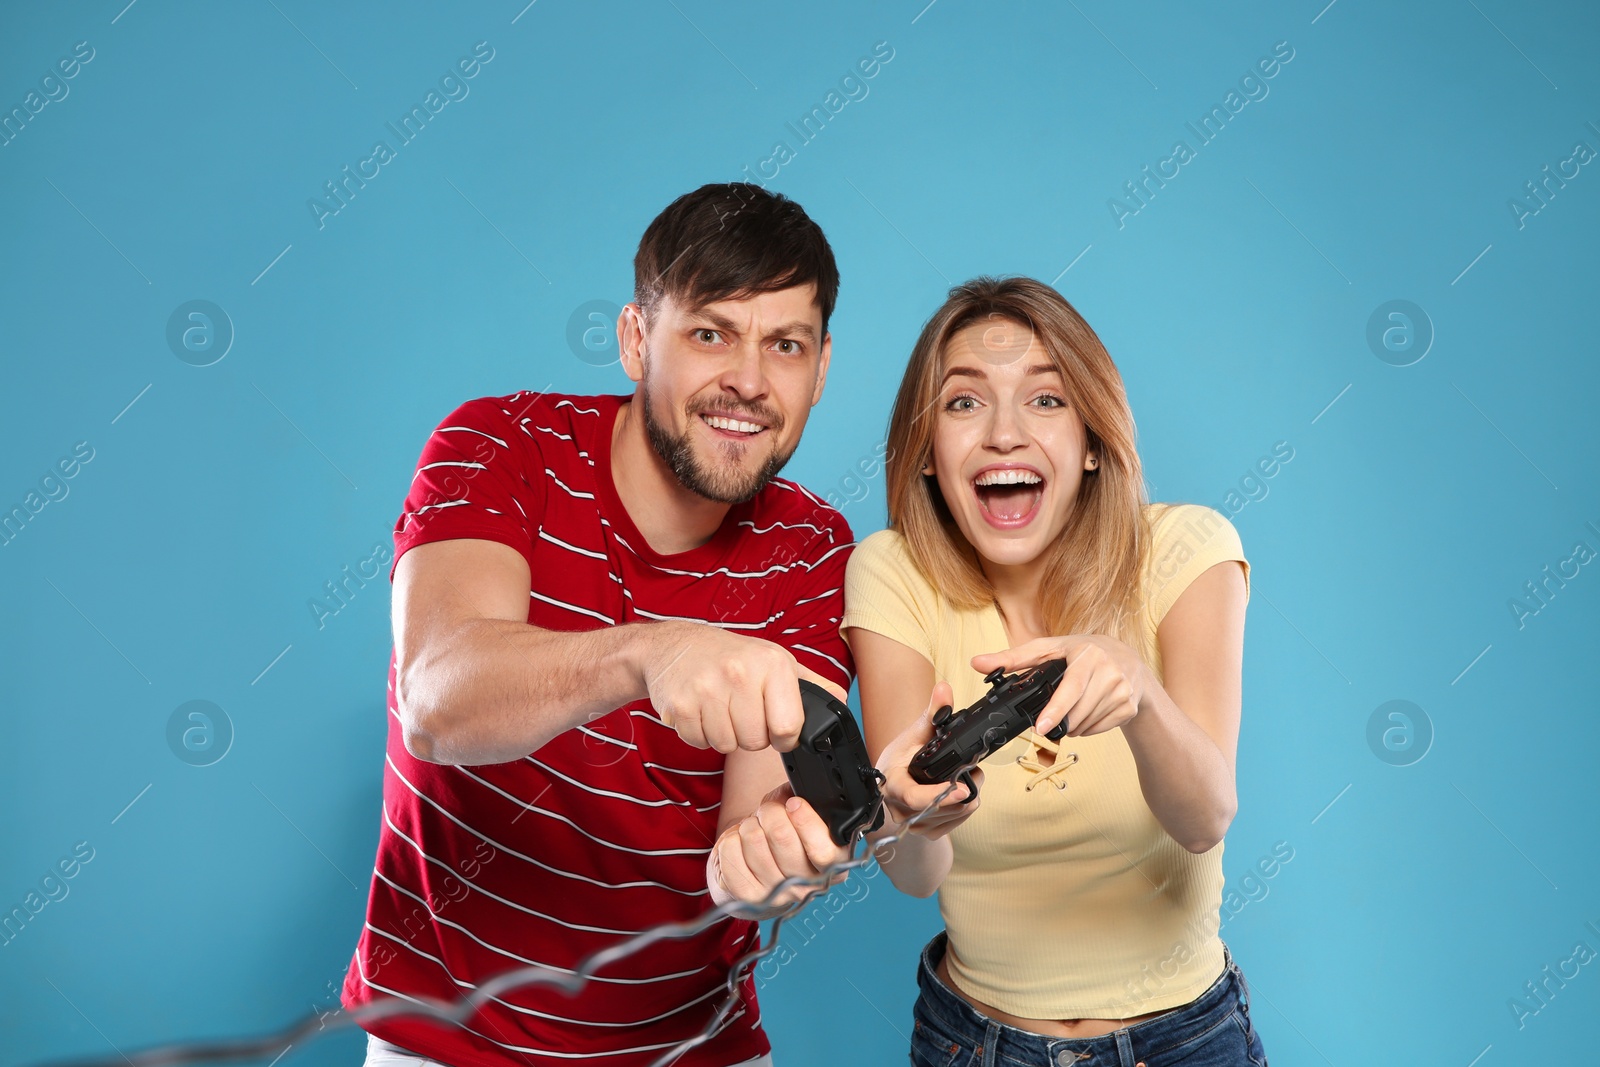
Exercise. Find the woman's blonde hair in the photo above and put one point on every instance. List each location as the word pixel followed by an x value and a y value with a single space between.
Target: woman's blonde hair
pixel 1091 577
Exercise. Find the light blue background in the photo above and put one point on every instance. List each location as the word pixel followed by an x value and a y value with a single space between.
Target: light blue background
pixel 228 898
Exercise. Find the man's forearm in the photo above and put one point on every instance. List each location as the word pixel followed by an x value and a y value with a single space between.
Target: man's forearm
pixel 500 689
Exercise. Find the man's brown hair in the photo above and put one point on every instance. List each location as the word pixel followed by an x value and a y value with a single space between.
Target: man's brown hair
pixel 732 240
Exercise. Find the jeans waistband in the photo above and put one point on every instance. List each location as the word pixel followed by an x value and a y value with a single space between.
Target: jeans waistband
pixel 1147 1038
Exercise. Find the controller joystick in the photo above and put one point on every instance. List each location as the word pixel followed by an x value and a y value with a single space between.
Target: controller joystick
pixel 828 767
pixel 1011 707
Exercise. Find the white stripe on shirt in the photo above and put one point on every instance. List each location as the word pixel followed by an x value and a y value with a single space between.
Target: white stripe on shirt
pixel 539 863
pixel 526 806
pixel 597 791
pixel 448 463
pixel 571 548
pixel 480 433
pixel 508 954
pixel 515 1048
pixel 608 620
pixel 568 488
pixel 713 991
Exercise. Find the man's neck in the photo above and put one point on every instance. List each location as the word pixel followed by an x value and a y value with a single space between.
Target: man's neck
pixel 672 518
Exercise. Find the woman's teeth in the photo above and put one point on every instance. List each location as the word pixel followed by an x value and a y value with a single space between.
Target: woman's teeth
pixel 1008 497
pixel 1008 477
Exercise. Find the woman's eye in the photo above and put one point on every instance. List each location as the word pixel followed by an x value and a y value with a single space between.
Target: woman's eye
pixel 961 403
pixel 1052 401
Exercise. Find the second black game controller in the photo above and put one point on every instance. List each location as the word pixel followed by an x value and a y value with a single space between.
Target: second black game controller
pixel 829 769
pixel 1011 706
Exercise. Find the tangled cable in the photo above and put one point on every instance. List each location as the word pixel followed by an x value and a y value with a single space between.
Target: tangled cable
pixel 458 1012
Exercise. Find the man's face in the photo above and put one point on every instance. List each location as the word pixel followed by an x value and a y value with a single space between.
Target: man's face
pixel 727 387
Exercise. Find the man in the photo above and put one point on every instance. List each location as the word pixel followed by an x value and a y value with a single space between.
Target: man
pixel 573 754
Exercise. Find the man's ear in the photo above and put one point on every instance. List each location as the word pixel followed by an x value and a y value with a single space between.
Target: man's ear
pixel 822 368
pixel 630 341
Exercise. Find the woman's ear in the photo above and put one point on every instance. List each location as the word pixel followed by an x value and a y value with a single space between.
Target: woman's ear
pixel 1090 461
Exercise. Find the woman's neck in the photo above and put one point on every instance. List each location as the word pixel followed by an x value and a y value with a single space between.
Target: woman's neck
pixel 1016 591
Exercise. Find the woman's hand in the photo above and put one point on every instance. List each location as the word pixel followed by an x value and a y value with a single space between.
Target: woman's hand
pixel 1104 687
pixel 905 798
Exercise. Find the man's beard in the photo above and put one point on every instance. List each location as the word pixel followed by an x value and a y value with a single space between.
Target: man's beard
pixel 714 483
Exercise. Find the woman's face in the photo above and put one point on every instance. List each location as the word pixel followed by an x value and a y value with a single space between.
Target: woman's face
pixel 1009 450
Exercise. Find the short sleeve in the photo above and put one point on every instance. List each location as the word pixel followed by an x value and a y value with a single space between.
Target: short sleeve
pixel 1186 541
pixel 476 478
pixel 885 593
pixel 811 602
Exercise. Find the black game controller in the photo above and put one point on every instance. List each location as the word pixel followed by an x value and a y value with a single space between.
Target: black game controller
pixel 829 769
pixel 1011 706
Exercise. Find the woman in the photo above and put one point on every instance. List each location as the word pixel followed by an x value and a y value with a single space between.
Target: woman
pixel 1080 890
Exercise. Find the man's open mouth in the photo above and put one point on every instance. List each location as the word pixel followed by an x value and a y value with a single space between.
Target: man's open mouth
pixel 1009 496
pixel 732 426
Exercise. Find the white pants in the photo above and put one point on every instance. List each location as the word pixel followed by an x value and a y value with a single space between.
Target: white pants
pixel 381 1053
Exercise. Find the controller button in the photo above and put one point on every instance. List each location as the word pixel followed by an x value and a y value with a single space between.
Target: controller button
pixel 942 716
pixel 996 676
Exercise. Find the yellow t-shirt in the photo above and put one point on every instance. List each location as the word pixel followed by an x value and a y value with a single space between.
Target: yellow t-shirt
pixel 1067 899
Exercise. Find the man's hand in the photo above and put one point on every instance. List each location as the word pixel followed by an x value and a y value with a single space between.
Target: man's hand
pixel 904 797
pixel 726 691
pixel 783 838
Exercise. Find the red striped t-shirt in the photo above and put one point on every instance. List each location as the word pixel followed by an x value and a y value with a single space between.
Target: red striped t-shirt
pixel 605 830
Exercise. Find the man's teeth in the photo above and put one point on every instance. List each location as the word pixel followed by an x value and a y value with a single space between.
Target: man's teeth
pixel 734 425
pixel 1008 477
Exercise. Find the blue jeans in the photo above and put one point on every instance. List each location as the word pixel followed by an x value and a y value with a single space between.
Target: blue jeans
pixel 1212 1030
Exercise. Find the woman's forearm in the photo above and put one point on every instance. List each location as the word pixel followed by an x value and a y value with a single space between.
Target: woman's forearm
pixel 916 865
pixel 1182 773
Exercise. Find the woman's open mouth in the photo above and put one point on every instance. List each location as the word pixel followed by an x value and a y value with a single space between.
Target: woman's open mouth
pixel 1009 497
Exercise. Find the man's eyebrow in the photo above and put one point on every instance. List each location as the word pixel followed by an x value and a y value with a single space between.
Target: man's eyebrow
pixel 797 328
pixel 721 322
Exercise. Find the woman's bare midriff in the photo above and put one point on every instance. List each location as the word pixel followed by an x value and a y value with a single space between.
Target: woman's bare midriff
pixel 1048 1027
